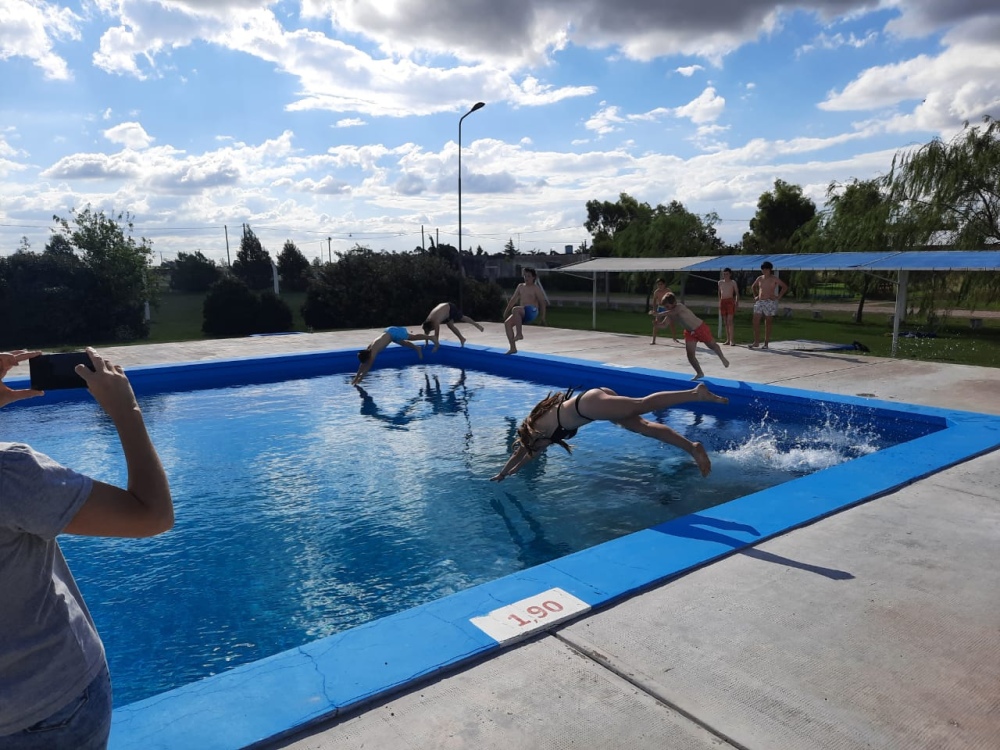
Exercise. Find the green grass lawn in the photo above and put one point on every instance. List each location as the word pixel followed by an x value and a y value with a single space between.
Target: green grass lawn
pixel 955 341
pixel 178 318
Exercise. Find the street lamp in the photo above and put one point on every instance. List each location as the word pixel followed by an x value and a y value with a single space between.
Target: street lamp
pixel 461 268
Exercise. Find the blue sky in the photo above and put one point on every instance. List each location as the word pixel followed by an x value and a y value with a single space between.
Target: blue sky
pixel 339 118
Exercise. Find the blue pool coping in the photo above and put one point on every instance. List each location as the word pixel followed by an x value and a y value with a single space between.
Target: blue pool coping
pixel 321 680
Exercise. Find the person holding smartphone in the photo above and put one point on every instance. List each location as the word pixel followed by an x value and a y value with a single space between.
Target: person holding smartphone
pixel 55 690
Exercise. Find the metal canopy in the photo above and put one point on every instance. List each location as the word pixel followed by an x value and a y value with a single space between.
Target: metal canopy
pixel 900 262
pixel 914 260
pixel 632 265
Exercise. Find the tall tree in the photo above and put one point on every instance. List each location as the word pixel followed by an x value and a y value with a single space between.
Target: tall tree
pixel 193 272
pixel 951 191
pixel 293 267
pixel 606 219
pixel 510 250
pixel 120 267
pixel 857 219
pixel 781 215
pixel 253 263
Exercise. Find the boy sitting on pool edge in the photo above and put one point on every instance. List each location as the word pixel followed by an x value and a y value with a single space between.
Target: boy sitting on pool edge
pixel 392 335
pixel 695 330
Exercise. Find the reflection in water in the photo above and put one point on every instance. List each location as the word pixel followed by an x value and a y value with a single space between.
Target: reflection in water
pixel 534 550
pixel 397 421
pixel 453 401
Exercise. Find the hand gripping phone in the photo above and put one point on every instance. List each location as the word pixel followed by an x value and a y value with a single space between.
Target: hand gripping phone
pixel 53 372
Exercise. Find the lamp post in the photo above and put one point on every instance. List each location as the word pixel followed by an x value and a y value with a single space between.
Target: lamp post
pixel 461 268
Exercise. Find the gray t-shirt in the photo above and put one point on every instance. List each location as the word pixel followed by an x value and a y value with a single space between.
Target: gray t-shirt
pixel 49 647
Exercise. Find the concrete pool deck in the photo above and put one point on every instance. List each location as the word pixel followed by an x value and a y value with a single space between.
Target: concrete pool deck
pixel 875 627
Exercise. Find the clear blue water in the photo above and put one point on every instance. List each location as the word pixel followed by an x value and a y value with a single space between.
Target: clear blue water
pixel 308 507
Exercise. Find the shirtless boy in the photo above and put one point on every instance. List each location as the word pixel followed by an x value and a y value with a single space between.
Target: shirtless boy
pixel 695 330
pixel 659 312
pixel 729 300
pixel 449 314
pixel 392 335
pixel 767 290
pixel 526 304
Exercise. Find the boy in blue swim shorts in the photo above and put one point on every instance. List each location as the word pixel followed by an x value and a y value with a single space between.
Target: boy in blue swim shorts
pixel 391 335
pixel 526 305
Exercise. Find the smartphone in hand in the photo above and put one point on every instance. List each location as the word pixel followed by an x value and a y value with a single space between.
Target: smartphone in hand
pixel 53 372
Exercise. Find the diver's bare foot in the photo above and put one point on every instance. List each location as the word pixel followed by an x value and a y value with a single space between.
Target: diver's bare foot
pixel 724 361
pixel 481 329
pixel 699 376
pixel 512 350
pixel 435 347
pixel 519 337
pixel 463 344
pixel 700 456
pixel 651 343
pixel 703 394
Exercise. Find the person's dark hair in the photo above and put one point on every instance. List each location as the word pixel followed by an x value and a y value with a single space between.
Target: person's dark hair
pixel 728 270
pixel 532 271
pixel 669 299
pixel 527 433
pixel 364 355
pixel 428 327
pixel 767 266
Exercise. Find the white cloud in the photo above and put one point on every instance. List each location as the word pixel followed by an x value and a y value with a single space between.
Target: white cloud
pixel 29 29
pixel 707 107
pixel 959 84
pixel 349 122
pixel 129 134
pixel 834 41
pixel 605 121
pixel 688 70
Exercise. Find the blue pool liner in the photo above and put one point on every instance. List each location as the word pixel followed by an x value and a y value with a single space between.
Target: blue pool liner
pixel 317 682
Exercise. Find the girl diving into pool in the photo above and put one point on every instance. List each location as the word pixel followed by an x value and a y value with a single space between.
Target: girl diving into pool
pixel 556 418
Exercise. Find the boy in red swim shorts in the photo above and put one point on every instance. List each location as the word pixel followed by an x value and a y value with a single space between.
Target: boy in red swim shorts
pixel 729 300
pixel 695 330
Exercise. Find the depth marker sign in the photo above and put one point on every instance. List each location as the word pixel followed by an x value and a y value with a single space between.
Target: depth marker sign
pixel 530 615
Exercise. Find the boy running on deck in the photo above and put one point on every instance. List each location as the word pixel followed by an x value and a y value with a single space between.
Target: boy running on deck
pixel 695 330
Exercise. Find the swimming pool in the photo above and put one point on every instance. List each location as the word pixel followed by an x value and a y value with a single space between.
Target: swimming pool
pixel 622 565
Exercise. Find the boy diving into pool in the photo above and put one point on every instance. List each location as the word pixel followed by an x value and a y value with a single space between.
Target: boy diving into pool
pixel 392 335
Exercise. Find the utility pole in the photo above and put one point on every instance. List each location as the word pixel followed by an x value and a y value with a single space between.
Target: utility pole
pixel 329 250
pixel 228 263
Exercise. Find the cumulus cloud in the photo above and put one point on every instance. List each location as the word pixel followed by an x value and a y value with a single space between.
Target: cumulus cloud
pixel 688 70
pixel 30 28
pixel 605 121
pixel 707 107
pixel 959 84
pixel 349 122
pixel 129 134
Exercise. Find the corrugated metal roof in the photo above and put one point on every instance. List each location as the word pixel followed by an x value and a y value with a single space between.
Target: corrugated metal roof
pixel 632 265
pixel 915 260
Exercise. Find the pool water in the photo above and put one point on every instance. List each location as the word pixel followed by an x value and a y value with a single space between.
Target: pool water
pixel 308 507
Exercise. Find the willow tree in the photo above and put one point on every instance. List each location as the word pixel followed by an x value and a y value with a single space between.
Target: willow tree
pixel 949 192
